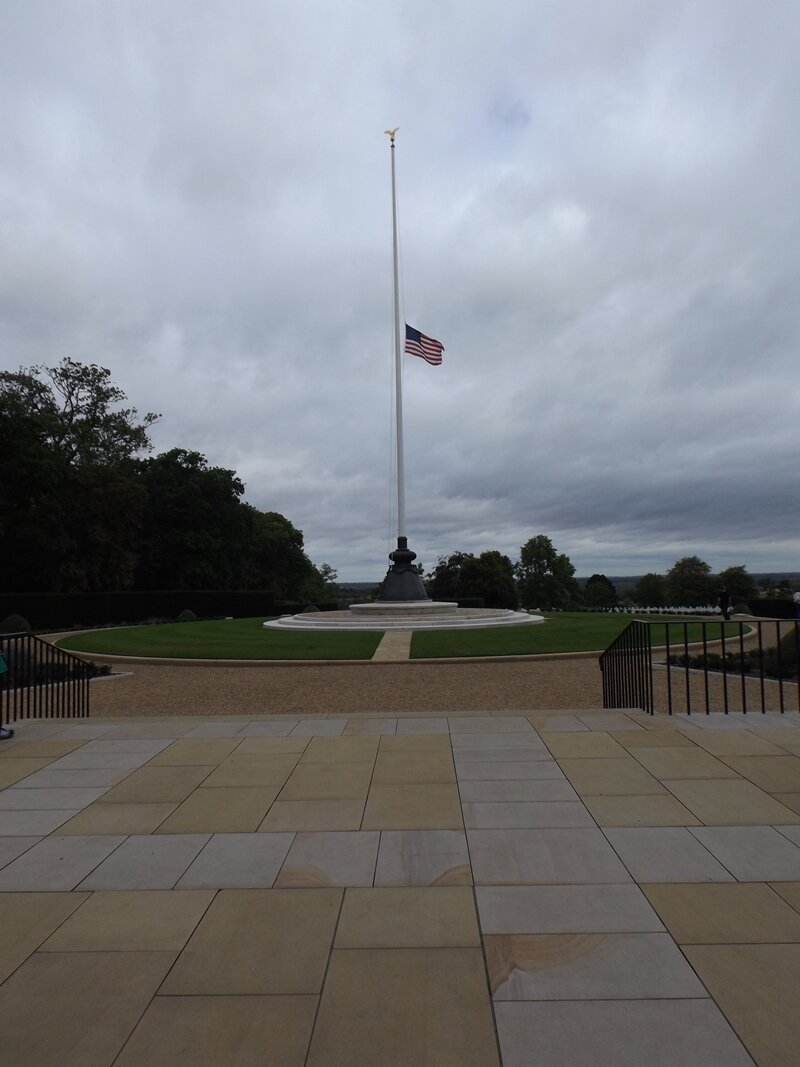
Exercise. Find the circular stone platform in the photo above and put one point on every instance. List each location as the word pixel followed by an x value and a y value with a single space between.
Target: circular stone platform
pixel 404 615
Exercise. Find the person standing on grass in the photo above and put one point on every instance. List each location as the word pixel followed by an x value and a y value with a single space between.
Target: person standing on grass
pixel 724 601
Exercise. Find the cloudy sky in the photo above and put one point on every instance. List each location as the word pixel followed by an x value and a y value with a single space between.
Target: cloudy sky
pixel 599 219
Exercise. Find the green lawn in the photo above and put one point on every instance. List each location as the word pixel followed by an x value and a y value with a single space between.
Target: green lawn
pixel 563 632
pixel 247 639
pixel 223 639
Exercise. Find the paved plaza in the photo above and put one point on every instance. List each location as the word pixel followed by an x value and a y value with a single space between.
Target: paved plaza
pixel 589 888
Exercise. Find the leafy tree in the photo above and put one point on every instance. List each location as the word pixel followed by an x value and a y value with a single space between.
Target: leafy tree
pixel 599 592
pixel 490 576
pixel 650 591
pixel 327 575
pixel 442 582
pixel 69 502
pixel 73 412
pixel 545 578
pixel 739 583
pixel 283 566
pixel 79 510
pixel 195 528
pixel 689 583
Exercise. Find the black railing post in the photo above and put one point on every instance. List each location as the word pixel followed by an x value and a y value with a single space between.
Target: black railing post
pixel 761 670
pixel 741 666
pixel 629 677
pixel 42 681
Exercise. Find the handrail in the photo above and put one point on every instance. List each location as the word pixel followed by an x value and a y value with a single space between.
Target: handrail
pixel 627 669
pixel 753 671
pixel 41 680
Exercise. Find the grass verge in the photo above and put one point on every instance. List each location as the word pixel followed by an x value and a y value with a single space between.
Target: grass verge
pixel 563 632
pixel 223 639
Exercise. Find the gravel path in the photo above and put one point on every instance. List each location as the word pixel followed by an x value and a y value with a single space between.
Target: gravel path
pixel 174 689
pixel 569 682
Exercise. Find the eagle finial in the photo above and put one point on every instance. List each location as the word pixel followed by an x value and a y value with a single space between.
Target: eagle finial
pixel 391 133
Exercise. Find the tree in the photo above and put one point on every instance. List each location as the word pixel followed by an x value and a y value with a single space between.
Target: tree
pixel 442 581
pixel 69 503
pixel 75 415
pixel 277 560
pixel 545 578
pixel 599 592
pixel 739 583
pixel 81 511
pixel 489 576
pixel 650 591
pixel 195 529
pixel 689 583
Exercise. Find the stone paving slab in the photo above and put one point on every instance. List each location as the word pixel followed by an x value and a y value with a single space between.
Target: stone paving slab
pixel 489 888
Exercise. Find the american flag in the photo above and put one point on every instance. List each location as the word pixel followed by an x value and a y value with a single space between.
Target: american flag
pixel 417 344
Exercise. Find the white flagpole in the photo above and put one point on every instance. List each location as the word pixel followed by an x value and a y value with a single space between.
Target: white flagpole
pixel 401 488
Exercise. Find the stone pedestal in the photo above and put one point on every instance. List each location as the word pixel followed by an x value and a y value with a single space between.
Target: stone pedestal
pixel 402 582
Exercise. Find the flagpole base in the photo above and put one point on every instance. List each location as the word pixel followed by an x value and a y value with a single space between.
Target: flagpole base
pixel 402 581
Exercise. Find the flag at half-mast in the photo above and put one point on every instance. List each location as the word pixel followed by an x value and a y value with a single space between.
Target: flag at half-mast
pixel 417 344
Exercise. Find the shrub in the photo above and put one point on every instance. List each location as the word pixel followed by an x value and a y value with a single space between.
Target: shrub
pixel 741 609
pixel 98 670
pixel 308 609
pixel 15 624
pixel 773 664
pixel 187 615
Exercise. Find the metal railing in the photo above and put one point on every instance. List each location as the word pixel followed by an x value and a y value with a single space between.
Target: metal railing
pixel 627 669
pixel 704 666
pixel 42 681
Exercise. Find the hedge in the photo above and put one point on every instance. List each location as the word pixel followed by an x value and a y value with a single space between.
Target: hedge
pixel 51 611
pixel 772 608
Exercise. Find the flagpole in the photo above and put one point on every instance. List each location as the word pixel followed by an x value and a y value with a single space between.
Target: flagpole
pixel 398 378
pixel 402 582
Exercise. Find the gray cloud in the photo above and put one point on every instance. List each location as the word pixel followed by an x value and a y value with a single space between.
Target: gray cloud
pixel 598 218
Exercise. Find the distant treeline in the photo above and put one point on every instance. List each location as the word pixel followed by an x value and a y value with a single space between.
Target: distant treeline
pixel 544 578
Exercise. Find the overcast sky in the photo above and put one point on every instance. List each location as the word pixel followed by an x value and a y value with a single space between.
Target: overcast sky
pixel 598 218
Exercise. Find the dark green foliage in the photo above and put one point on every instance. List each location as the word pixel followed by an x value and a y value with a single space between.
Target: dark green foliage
pixel 70 506
pixel 650 591
pixel 442 582
pixel 774 608
pixel 15 624
pixel 97 670
pixel 81 511
pixel 738 582
pixel 599 592
pixel 545 578
pixel 187 615
pixel 741 609
pixel 489 577
pixel 690 584
pixel 777 662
